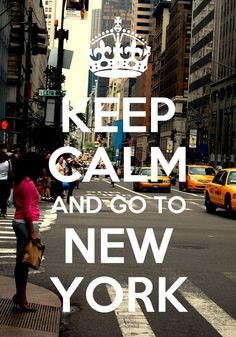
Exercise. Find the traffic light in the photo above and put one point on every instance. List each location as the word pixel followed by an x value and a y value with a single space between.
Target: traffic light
pixel 38 40
pixel 16 42
pixel 4 125
pixel 80 5
pixel 172 136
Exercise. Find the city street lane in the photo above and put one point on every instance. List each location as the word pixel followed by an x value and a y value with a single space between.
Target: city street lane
pixel 202 248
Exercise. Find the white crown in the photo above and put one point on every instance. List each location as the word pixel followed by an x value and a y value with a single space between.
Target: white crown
pixel 120 60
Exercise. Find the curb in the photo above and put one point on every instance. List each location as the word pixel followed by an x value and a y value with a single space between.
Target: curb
pixel 45 322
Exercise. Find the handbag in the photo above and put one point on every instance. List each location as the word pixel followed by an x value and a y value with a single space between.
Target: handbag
pixel 33 253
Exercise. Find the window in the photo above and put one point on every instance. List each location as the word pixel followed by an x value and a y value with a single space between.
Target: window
pixel 144 1
pixel 143 24
pixel 232 178
pixel 144 9
pixel 143 32
pixel 140 16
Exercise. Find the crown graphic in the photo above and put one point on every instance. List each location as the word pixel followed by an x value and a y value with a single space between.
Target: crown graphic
pixel 127 57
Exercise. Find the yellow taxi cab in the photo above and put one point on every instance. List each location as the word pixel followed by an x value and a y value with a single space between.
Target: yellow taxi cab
pixel 163 182
pixel 197 176
pixel 221 192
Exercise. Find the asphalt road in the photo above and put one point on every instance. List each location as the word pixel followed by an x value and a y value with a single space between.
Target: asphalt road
pixel 201 248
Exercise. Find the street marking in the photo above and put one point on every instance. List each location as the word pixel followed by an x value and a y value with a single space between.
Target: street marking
pixel 222 322
pixel 7 232
pixel 131 323
pixel 188 193
pixel 196 204
pixel 127 189
pixel 231 275
pixel 106 202
pixel 13 238
pixel 7 250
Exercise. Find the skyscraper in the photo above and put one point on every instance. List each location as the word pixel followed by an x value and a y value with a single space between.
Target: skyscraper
pixel 110 10
pixel 201 65
pixel 50 13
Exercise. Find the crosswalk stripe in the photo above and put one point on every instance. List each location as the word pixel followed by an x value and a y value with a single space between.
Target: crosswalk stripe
pixel 231 275
pixel 132 324
pixel 222 322
pixel 7 232
pixel 7 237
pixel 7 250
pixel 106 202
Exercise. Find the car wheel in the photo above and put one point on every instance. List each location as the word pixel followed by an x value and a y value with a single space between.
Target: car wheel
pixel 210 207
pixel 228 205
pixel 168 190
pixel 181 187
pixel 135 188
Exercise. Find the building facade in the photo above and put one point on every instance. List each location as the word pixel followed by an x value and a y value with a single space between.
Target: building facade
pixel 161 16
pixel 142 20
pixel 24 76
pixel 110 10
pixel 4 41
pixel 222 125
pixel 175 73
pixel 200 76
pixel 50 15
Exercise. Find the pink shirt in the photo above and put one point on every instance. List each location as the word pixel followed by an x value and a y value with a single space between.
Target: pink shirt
pixel 26 199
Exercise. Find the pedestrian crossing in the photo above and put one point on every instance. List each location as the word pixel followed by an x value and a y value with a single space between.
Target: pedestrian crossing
pixel 217 320
pixel 7 234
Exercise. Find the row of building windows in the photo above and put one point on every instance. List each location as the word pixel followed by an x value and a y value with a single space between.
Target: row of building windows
pixel 228 7
pixel 143 24
pixel 144 1
pixel 141 16
pixel 144 9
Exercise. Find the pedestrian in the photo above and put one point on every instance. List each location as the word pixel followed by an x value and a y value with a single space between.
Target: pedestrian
pixel 72 168
pixel 5 182
pixel 26 220
pixel 115 169
pixel 14 162
pixel 58 187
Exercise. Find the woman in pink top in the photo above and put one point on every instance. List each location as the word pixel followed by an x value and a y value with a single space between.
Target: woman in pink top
pixel 26 219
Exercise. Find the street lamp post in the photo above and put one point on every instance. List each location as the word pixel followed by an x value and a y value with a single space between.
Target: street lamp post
pixel 61 34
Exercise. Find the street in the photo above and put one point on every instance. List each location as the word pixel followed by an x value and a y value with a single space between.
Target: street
pixel 201 248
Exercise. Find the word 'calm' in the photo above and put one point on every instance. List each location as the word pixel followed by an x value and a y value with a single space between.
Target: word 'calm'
pixel 157 157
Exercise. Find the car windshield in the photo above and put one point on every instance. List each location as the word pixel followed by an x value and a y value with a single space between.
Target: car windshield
pixel 147 172
pixel 209 171
pixel 232 178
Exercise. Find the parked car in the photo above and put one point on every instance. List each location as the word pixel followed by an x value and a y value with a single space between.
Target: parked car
pixel 162 182
pixel 197 176
pixel 221 192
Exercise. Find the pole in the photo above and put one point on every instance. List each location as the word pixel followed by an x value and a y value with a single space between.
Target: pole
pixel 27 87
pixel 58 82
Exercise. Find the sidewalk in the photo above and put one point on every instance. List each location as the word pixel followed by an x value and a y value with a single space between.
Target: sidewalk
pixel 44 322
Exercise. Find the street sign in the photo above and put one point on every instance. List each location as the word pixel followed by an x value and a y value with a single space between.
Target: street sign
pixel 50 93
